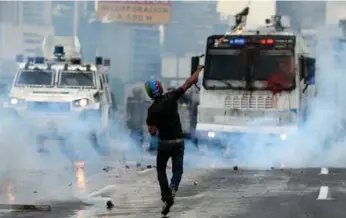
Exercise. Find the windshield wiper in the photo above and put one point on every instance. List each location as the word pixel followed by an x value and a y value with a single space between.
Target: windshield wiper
pixel 229 85
pixel 86 76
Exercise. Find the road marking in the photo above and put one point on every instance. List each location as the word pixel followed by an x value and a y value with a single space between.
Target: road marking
pixel 323 195
pixel 324 171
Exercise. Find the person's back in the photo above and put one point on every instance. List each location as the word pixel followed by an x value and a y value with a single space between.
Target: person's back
pixel 167 116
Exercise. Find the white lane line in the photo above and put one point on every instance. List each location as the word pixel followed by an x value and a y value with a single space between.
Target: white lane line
pixel 323 195
pixel 324 171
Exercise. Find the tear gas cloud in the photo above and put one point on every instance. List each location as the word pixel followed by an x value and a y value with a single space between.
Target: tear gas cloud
pixel 319 142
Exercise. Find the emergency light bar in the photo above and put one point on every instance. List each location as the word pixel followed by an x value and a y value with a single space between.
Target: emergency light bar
pixel 19 58
pixel 259 41
pixel 49 66
pixel 242 41
pixel 267 41
pixel 239 41
pixel 107 62
pixel 31 59
pixel 59 51
pixel 39 60
pixel 98 61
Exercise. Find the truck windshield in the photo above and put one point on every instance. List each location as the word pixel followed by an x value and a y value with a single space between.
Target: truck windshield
pixel 35 77
pixel 225 69
pixel 77 79
pixel 274 69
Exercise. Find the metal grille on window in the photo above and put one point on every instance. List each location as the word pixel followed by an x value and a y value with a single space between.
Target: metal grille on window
pixel 228 102
pixel 261 101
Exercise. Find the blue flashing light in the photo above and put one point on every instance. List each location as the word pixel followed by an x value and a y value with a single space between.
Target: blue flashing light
pixel 31 59
pixel 19 58
pixel 238 41
pixel 59 51
pixel 49 66
pixel 98 60
pixel 39 60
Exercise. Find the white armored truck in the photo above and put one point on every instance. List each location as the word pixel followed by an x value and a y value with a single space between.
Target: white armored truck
pixel 58 95
pixel 255 81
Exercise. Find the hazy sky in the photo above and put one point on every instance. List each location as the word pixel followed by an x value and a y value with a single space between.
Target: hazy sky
pixel 259 9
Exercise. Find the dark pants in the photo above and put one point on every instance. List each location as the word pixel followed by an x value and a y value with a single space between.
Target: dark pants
pixel 176 152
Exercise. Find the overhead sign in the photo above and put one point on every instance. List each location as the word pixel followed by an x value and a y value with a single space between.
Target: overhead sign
pixel 143 12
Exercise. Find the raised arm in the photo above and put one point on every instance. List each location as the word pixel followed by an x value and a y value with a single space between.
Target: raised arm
pixel 177 93
pixel 192 79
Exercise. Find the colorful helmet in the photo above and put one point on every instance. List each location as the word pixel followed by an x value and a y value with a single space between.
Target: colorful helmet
pixel 153 88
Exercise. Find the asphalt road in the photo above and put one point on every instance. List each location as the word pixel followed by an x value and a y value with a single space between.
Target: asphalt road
pixel 242 193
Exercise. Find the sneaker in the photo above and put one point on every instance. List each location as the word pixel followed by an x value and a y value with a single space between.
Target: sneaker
pixel 166 207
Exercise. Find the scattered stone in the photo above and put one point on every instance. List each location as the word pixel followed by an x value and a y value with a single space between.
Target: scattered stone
pixel 70 184
pixel 35 192
pixel 272 168
pixel 149 166
pixel 127 166
pixel 235 168
pixel 110 204
pixel 195 183
pixel 106 169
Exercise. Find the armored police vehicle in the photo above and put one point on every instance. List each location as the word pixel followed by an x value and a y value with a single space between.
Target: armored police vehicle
pixel 59 96
pixel 255 80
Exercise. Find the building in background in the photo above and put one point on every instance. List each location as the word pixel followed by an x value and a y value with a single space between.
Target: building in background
pixel 129 34
pixel 63 14
pixel 185 36
pixel 130 30
pixel 335 11
pixel 23 26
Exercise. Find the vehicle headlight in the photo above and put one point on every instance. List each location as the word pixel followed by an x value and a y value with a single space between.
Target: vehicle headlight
pixel 211 134
pixel 81 102
pixel 16 101
pixel 283 137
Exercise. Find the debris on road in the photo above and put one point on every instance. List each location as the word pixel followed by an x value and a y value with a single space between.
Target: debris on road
pixel 235 168
pixel 195 183
pixel 107 169
pixel 110 204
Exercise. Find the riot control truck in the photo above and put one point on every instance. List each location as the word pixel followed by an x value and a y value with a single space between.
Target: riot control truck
pixel 255 81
